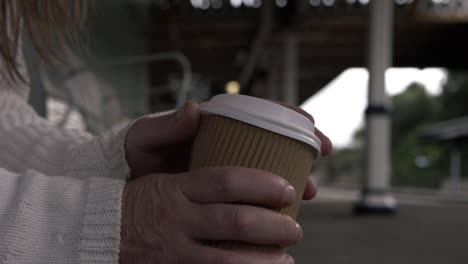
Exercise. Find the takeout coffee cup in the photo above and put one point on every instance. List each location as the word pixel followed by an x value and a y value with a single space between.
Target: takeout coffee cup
pixel 239 130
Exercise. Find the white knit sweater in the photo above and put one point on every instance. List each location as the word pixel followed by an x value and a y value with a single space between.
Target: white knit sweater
pixel 60 190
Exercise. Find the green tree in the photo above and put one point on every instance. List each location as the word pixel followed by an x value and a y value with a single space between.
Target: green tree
pixel 454 96
pixel 345 165
pixel 411 109
pixel 414 162
pixel 453 102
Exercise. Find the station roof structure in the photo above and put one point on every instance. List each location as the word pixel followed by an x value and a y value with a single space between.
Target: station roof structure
pixel 218 36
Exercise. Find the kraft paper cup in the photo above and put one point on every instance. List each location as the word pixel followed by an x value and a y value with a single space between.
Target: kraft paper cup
pixel 238 130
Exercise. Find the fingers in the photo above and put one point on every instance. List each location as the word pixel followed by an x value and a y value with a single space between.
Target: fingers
pixel 173 128
pixel 326 143
pixel 237 185
pixel 253 225
pixel 310 190
pixel 211 255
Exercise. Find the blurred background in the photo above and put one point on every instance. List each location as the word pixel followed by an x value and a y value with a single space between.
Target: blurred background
pixel 143 56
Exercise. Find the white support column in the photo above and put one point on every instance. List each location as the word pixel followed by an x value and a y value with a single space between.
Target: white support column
pixel 376 196
pixel 290 86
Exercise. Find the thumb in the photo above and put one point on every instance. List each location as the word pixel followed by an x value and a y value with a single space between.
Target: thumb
pixel 166 129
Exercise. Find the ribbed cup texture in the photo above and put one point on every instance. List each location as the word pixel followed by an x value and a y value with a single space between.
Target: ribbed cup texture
pixel 223 141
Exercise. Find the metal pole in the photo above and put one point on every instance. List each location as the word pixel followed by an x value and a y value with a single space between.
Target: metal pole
pixel 290 86
pixel 272 89
pixel 146 58
pixel 376 196
pixel 258 45
pixel 38 94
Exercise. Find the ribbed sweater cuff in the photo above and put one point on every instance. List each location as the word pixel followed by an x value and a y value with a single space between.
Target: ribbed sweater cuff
pixel 113 147
pixel 103 156
pixel 100 242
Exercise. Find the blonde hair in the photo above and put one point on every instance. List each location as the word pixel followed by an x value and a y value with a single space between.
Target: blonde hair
pixel 44 21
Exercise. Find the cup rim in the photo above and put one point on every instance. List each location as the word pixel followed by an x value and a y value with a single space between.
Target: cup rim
pixel 264 114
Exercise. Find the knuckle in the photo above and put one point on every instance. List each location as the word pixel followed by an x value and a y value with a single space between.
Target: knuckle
pixel 225 183
pixel 240 221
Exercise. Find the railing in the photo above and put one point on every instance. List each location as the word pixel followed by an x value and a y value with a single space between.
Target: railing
pixel 182 93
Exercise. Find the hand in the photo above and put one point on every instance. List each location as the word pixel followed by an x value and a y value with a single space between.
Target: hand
pixel 326 148
pixel 162 144
pixel 166 218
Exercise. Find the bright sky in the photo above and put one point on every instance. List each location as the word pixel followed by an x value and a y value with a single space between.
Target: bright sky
pixel 339 107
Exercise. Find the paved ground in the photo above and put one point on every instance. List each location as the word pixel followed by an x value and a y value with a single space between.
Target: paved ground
pixel 419 234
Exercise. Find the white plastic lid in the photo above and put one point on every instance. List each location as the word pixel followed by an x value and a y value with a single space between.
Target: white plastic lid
pixel 264 114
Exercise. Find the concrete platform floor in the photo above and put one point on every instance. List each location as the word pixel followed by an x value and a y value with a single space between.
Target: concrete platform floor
pixel 419 234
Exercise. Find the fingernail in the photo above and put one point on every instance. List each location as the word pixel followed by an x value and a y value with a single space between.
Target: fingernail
pixel 288 260
pixel 290 194
pixel 299 232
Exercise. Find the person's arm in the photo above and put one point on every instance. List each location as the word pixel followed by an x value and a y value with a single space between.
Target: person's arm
pixel 59 219
pixel 79 219
pixel 60 190
pixel 29 142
